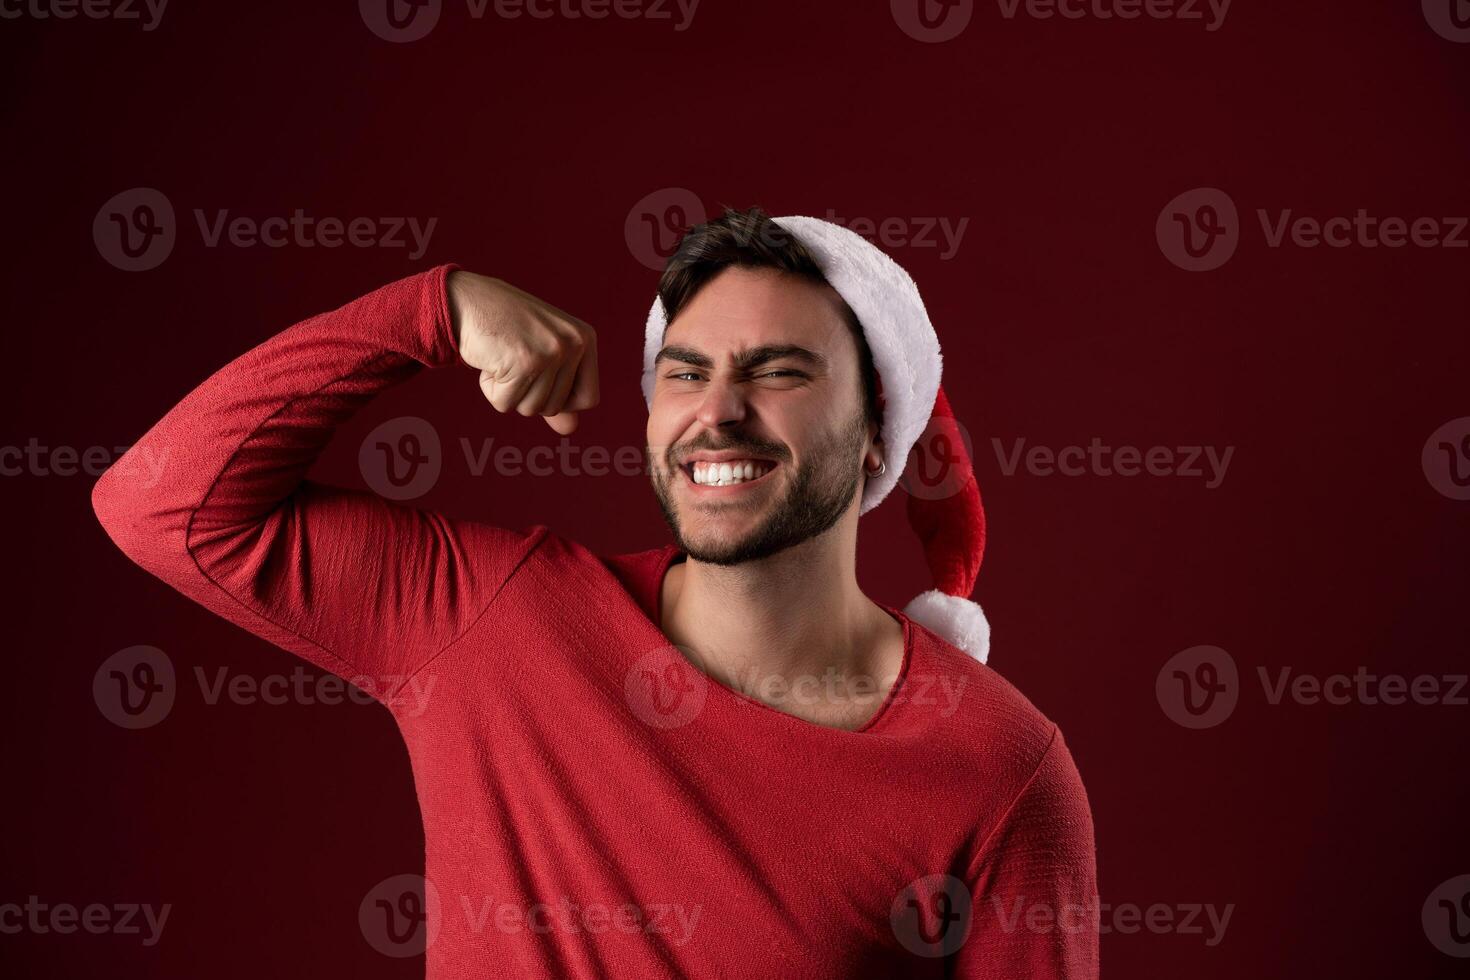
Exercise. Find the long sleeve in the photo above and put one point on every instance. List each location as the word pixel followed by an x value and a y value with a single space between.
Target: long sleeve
pixel 1034 884
pixel 213 499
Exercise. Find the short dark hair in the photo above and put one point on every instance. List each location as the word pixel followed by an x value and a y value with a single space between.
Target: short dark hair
pixel 752 240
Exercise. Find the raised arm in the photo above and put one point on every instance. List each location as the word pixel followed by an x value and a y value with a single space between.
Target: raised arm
pixel 213 499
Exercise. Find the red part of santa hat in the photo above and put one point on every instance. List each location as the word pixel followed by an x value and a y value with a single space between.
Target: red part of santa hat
pixel 946 514
pixel 947 517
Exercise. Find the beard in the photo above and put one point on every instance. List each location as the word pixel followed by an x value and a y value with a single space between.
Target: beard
pixel 816 496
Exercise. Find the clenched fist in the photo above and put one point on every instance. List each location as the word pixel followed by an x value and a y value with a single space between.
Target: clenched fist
pixel 532 357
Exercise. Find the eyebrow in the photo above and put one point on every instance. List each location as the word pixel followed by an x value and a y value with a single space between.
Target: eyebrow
pixel 745 359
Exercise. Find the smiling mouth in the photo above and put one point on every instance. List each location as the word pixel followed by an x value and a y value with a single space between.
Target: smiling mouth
pixel 727 475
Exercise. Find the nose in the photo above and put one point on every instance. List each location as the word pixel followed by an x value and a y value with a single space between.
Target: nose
pixel 723 404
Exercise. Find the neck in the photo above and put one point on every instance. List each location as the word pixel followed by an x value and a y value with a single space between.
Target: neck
pixel 763 627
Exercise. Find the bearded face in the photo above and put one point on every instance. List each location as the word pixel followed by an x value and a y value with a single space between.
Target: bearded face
pixel 757 432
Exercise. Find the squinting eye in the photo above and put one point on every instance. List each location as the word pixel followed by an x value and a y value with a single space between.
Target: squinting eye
pixel 683 374
pixel 773 374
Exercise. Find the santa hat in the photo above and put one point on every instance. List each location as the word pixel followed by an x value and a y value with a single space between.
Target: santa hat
pixel 947 517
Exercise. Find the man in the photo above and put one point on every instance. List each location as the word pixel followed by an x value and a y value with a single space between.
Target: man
pixel 712 759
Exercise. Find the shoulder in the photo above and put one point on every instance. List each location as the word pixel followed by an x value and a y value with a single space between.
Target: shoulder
pixel 565 565
pixel 641 573
pixel 988 732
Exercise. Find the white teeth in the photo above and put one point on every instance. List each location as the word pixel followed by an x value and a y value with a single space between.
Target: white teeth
pixel 728 474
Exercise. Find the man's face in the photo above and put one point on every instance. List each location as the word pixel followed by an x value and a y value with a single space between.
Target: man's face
pixel 758 375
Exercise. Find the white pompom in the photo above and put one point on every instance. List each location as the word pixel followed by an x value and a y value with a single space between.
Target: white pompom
pixel 960 621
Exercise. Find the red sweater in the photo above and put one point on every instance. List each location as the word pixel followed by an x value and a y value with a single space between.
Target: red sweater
pixel 593 805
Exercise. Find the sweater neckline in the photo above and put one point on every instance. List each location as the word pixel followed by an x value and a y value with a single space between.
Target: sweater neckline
pixel 667 558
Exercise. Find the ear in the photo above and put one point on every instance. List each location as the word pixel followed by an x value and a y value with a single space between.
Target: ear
pixel 875 454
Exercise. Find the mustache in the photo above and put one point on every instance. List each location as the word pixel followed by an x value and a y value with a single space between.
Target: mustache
pixel 756 447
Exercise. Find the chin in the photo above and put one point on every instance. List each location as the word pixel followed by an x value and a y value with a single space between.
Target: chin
pixel 716 542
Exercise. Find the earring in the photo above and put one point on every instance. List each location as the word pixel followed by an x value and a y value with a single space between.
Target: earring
pixel 882 468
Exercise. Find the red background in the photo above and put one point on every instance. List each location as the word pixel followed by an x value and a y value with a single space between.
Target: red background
pixel 1324 549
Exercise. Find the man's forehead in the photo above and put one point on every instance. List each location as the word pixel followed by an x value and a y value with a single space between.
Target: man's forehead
pixel 742 309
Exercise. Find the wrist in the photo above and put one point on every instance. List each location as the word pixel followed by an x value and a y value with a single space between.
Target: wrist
pixel 454 303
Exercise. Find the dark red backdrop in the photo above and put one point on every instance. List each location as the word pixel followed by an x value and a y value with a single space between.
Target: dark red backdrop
pixel 536 144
